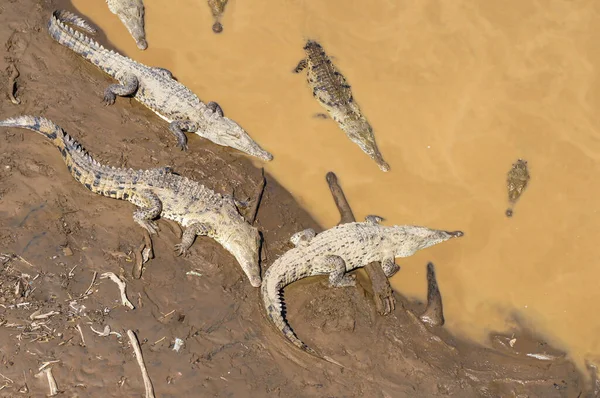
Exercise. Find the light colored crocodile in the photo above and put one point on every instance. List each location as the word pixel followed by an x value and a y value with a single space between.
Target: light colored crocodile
pixel 159 193
pixel 333 92
pixel 131 13
pixel 156 89
pixel 337 251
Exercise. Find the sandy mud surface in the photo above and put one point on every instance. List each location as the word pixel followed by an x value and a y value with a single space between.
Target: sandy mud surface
pixel 55 236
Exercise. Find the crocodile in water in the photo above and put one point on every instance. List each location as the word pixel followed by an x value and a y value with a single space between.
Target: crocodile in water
pixel 216 8
pixel 337 251
pixel 159 193
pixel 156 89
pixel 333 92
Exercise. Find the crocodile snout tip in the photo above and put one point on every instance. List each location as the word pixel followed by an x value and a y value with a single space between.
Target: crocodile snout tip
pixel 142 44
pixel 384 166
pixel 456 234
pixel 266 156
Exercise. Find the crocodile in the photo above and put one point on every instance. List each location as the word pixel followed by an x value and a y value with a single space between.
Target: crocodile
pixel 216 8
pixel 131 13
pixel 333 92
pixel 155 88
pixel 158 192
pixel 516 182
pixel 335 252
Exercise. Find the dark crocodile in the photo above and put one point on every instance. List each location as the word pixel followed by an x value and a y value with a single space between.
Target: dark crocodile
pixel 334 94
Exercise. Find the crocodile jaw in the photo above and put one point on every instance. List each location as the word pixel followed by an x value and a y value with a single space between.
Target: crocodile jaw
pixel 131 14
pixel 224 131
pixel 244 244
pixel 408 239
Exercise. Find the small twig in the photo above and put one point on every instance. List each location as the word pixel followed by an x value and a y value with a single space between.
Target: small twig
pixel 81 334
pixel 51 381
pixel 6 378
pixel 12 84
pixel 142 255
pixel 87 291
pixel 36 315
pixel 124 300
pixel 253 211
pixel 138 355
pixel 106 332
pixel 46 364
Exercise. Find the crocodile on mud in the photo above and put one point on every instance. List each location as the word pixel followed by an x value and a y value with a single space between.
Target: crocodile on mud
pixel 158 193
pixel 337 251
pixel 156 89
pixel 217 7
pixel 131 14
pixel 516 182
pixel 334 94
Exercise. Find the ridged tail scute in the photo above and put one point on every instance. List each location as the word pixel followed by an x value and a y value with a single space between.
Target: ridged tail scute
pixel 272 299
pixel 65 16
pixel 68 147
pixel 59 30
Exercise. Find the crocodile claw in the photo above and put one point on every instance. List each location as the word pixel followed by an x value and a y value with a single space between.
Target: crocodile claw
pixel 109 98
pixel 150 226
pixel 180 250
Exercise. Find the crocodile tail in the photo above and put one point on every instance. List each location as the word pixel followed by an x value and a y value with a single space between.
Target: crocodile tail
pixel 68 17
pixel 272 298
pixel 68 147
pixel 59 30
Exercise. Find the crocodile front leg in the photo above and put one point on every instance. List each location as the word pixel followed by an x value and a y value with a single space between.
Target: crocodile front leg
pixel 337 275
pixel 389 266
pixel 145 215
pixel 213 106
pixel 301 66
pixel 179 127
pixel 189 236
pixel 129 86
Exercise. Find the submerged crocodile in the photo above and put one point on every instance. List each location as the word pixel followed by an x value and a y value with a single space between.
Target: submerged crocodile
pixel 337 251
pixel 156 89
pixel 216 8
pixel 159 193
pixel 334 94
pixel 131 14
pixel 516 181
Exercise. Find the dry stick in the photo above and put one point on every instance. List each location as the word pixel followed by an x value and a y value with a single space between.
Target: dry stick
pixel 124 300
pixel 253 211
pixel 12 84
pixel 140 360
pixel 382 291
pixel 143 254
pixel 51 381
pixel 434 313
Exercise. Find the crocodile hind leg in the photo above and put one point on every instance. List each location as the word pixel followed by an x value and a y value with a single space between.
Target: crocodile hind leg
pixel 337 275
pixel 145 215
pixel 213 106
pixel 389 267
pixel 301 66
pixel 190 235
pixel 129 86
pixel 179 128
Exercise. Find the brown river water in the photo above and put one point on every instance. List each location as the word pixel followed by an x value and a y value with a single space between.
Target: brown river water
pixel 455 93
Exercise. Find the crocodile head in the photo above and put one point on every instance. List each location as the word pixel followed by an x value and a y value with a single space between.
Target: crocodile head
pixel 407 239
pixel 243 241
pixel 226 132
pixel 131 13
pixel 360 132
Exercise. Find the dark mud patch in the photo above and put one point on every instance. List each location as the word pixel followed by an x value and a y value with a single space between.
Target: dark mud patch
pixel 55 235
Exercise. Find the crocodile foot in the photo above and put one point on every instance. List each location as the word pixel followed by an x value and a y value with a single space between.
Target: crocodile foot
pixel 109 97
pixel 150 226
